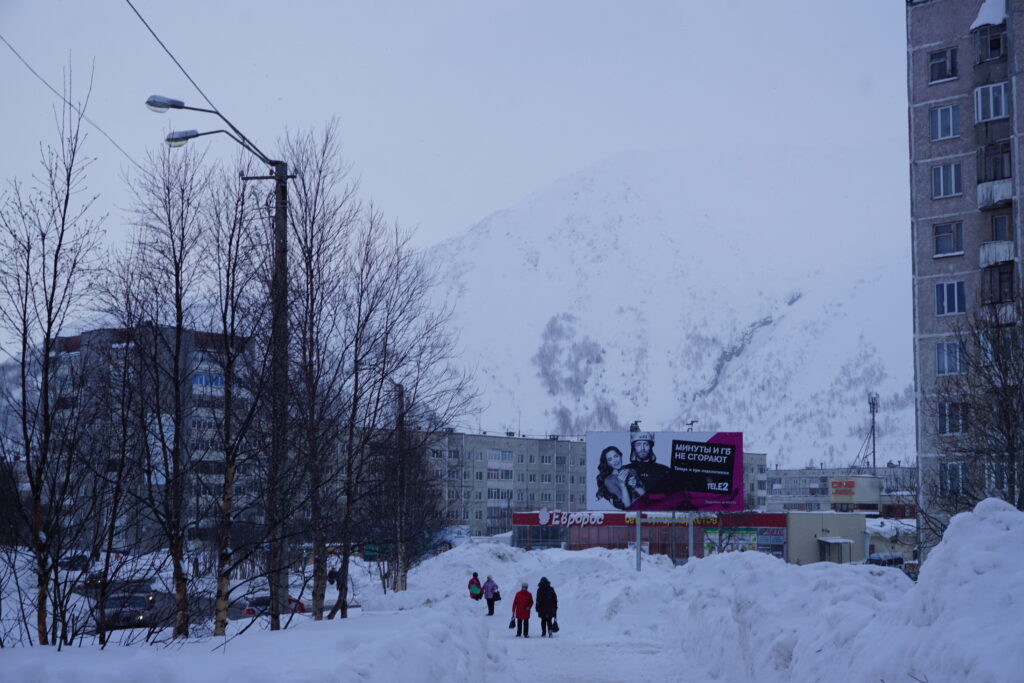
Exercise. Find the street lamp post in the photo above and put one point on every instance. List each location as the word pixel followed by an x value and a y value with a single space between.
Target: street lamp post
pixel 278 573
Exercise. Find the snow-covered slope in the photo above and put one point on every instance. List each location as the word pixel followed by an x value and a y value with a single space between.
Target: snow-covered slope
pixel 765 290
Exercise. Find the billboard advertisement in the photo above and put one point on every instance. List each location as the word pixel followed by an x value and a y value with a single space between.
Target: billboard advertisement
pixel 682 471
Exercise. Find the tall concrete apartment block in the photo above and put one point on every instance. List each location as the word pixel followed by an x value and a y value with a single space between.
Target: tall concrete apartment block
pixel 963 69
pixel 487 477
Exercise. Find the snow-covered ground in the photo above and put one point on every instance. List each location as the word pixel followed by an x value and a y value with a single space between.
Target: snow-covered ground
pixel 732 617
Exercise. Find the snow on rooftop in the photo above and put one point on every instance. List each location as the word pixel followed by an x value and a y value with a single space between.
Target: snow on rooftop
pixel 992 12
pixel 890 527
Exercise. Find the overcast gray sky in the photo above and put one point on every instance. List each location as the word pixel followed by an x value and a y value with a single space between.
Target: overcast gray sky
pixel 450 110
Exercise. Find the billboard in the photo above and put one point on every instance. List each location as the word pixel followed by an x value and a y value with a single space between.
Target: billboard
pixel 664 471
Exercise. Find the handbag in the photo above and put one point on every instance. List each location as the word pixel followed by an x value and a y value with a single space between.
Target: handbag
pixel 512 622
pixel 497 596
pixel 554 626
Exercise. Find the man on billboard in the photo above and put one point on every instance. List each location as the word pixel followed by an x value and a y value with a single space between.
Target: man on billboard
pixel 643 463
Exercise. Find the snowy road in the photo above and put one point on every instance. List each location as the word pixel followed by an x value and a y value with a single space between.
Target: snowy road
pixel 574 656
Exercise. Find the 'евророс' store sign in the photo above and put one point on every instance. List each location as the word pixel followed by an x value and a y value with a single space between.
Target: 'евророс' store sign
pixel 653 471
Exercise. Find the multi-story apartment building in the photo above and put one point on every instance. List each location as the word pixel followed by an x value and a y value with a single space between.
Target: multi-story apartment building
pixel 487 477
pixel 965 211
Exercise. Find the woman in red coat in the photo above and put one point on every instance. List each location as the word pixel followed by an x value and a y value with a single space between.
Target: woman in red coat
pixel 521 611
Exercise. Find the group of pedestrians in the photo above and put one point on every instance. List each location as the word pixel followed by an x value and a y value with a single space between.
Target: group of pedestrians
pixel 546 605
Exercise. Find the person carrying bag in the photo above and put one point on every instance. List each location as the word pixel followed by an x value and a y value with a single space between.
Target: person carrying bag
pixel 491 594
pixel 475 591
pixel 547 607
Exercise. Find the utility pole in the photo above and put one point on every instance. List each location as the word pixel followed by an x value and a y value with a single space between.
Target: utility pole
pixel 399 571
pixel 277 571
pixel 279 391
pixel 873 407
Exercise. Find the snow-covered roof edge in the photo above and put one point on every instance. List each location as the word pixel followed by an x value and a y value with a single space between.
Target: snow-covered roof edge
pixel 992 12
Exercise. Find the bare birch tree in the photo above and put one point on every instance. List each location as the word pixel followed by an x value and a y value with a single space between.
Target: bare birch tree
pixel 48 239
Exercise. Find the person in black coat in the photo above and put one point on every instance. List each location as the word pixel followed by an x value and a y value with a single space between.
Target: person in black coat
pixel 547 606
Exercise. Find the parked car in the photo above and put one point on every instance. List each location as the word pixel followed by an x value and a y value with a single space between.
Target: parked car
pixel 76 562
pixel 130 611
pixel 259 605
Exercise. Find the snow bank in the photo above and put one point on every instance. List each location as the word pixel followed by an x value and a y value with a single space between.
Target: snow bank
pixel 730 617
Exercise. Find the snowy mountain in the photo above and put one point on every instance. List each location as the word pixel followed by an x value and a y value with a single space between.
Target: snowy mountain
pixel 757 290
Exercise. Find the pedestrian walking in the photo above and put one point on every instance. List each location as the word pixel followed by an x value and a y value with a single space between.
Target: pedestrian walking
pixel 521 607
pixel 547 606
pixel 491 594
pixel 475 591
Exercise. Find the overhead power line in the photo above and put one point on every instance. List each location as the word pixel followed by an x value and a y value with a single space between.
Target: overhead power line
pixel 171 55
pixel 68 102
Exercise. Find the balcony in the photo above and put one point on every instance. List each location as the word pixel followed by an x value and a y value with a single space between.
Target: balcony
pixel 995 252
pixel 994 194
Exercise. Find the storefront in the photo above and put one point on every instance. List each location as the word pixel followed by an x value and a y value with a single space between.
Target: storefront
pixel 794 537
pixel 660 534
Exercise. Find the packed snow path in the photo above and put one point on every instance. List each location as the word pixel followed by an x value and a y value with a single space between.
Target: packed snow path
pixel 573 655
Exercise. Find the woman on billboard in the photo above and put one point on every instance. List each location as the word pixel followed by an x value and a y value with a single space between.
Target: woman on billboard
pixel 611 479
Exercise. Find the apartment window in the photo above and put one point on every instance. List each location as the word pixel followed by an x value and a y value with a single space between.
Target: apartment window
pixel 520 477
pixel 951 478
pixel 532 497
pixel 453 455
pixel 479 476
pixel 479 514
pixel 545 497
pixel 942 65
pixel 465 475
pixel 545 460
pixel 436 453
pixel 949 358
pixel 572 498
pixel 945 122
pixel 533 478
pixel 994 162
pixel 559 478
pixel 522 458
pixel 950 298
pixel 506 456
pixel 479 495
pixel 493 474
pixel 1001 227
pixel 583 462
pixel 559 459
pixel 572 479
pixel 991 102
pixel 519 496
pixel 997 283
pixel 545 478
pixel 946 181
pixel 949 238
pixel 991 43
pixel 479 456
pixel 533 459
pixel 506 474
pixel 952 418
pixel 559 497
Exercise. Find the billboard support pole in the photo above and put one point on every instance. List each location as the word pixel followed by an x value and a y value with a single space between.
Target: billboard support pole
pixel 639 515
pixel 673 530
pixel 689 526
